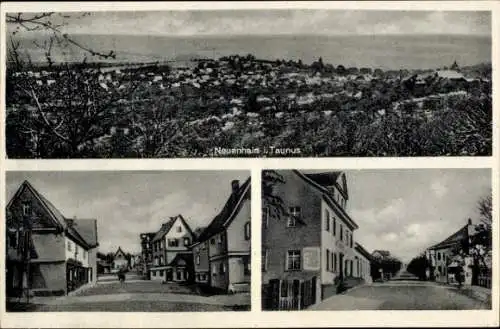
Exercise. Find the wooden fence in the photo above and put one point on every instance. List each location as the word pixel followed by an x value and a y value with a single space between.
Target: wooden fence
pixel 288 295
pixel 484 281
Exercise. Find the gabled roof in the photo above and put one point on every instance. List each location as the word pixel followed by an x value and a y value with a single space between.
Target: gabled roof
pixel 82 230
pixel 166 227
pixel 119 251
pixel 186 257
pixel 227 214
pixel 457 237
pixel 327 194
pixel 55 215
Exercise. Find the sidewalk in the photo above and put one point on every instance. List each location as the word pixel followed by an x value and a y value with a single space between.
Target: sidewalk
pixel 478 293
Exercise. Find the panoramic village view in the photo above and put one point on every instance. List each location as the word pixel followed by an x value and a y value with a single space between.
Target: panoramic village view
pixel 181 264
pixel 175 91
pixel 334 240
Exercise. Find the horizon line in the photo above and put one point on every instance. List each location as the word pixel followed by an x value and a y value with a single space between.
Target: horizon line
pixel 218 35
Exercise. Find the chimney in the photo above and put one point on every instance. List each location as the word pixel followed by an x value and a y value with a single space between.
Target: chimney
pixel 235 186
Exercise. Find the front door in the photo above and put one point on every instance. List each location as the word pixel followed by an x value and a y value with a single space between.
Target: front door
pixel 169 275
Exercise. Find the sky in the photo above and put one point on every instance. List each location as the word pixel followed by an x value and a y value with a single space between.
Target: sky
pixel 405 211
pixel 284 21
pixel 126 204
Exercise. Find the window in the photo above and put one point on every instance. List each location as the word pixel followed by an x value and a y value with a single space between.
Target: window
pixel 13 239
pixel 327 220
pixel 186 241
pixel 156 260
pixel 69 245
pixel 161 260
pixel 351 241
pixel 331 262
pixel 220 238
pixel 154 273
pixel 173 242
pixel 439 256
pixel 264 260
pixel 26 208
pixel 328 259
pixel 212 241
pixel 161 272
pixel 222 268
pixel 197 259
pixel 265 220
pixel 341 233
pixel 293 260
pixel 334 226
pixel 214 269
pixel 204 246
pixel 247 231
pixel 246 265
pixel 294 215
pixel 335 262
pixel 179 228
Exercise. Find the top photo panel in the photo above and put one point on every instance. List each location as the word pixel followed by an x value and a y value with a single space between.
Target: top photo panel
pixel 248 83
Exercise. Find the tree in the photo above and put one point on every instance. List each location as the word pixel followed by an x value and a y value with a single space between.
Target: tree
pixel 418 266
pixel 274 203
pixel 341 70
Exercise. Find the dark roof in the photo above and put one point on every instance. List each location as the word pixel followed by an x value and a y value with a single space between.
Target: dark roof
pixel 217 224
pixel 384 253
pixel 87 229
pixel 165 227
pixel 362 251
pixel 326 178
pixel 457 237
pixel 186 257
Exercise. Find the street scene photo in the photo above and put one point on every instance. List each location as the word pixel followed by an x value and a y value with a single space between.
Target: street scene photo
pixel 385 239
pixel 248 83
pixel 131 241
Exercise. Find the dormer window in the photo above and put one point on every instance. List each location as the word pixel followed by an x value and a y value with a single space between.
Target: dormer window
pixel 179 229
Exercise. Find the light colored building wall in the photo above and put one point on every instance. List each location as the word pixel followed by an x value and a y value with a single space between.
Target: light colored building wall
pixel 75 251
pixel 236 241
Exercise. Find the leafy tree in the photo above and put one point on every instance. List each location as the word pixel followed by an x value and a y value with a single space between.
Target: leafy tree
pixel 274 203
pixel 418 266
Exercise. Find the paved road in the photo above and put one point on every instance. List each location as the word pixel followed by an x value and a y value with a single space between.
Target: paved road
pixel 145 296
pixel 401 295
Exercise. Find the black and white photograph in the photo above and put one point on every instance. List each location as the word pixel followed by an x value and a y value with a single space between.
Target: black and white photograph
pixel 384 239
pixel 127 241
pixel 248 83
